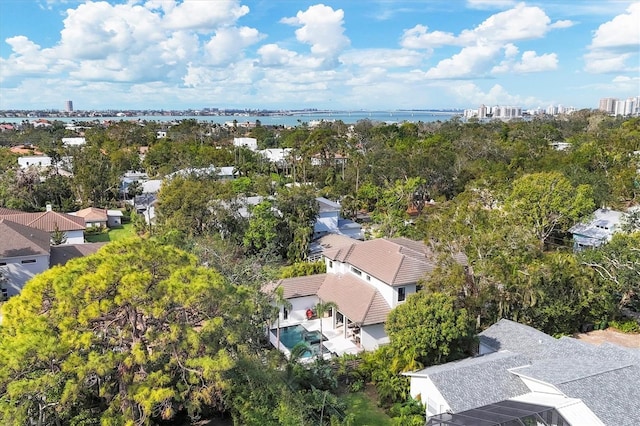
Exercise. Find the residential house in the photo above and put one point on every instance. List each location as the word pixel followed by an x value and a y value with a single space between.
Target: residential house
pixel 225 172
pixel 597 231
pixel 335 160
pixel 44 161
pixel 330 222
pixel 365 280
pixel 524 376
pixel 77 141
pixel 24 252
pixel 100 217
pixel 278 156
pixel 49 221
pixel 250 143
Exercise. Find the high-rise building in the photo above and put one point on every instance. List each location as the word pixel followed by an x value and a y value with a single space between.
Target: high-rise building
pixel 608 105
pixel 68 106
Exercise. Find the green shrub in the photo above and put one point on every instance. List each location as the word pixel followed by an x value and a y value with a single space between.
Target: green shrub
pixel 626 326
pixel 356 386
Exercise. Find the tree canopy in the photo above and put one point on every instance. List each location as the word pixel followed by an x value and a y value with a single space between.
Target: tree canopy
pixel 135 334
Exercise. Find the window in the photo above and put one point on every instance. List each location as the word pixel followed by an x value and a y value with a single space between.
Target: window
pixel 330 264
pixel 401 294
pixel 3 263
pixel 29 261
pixel 356 271
pixel 368 277
pixel 285 313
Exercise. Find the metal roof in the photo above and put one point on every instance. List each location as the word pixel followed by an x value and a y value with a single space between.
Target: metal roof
pixel 500 413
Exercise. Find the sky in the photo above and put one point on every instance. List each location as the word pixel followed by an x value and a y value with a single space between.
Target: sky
pixel 338 55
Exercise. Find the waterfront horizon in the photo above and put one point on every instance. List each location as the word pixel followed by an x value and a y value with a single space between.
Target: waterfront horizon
pixel 285 119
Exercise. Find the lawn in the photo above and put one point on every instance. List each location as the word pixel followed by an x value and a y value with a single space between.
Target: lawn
pixel 114 234
pixel 365 410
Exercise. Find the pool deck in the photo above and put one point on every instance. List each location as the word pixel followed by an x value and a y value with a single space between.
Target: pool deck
pixel 336 344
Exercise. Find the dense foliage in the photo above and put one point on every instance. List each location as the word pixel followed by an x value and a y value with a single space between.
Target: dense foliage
pixel 498 192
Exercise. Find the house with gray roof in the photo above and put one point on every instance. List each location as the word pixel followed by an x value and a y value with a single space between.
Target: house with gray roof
pixel 524 376
pixel 25 245
pixel 24 252
pixel 598 230
pixel 330 222
pixel 365 280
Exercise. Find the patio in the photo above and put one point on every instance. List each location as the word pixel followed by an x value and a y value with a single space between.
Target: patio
pixel 336 344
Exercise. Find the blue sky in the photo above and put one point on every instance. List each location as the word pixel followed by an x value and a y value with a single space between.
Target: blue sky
pixel 354 54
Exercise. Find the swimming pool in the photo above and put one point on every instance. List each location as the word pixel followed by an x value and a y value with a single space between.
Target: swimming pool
pixel 292 335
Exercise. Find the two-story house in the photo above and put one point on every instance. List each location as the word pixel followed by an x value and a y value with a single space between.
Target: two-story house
pixel 26 251
pixel 365 280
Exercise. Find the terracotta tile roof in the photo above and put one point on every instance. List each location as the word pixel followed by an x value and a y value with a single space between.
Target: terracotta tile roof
pixel 47 221
pixel 92 214
pixel 386 260
pixel 359 301
pixel 333 241
pixel 420 247
pixel 5 211
pixel 63 253
pixel 20 240
pixel 299 286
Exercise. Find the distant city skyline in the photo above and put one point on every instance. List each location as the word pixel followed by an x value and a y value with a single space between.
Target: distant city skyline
pixel 334 55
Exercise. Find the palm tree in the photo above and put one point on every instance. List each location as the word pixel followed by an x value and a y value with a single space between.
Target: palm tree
pixel 322 308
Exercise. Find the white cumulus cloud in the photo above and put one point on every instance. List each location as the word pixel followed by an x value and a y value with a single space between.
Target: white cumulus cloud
pixel 614 43
pixel 228 43
pixel 322 28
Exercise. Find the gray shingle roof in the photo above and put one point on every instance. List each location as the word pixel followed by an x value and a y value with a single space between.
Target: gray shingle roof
pixel 515 337
pixel 606 378
pixel 479 381
pixel 20 240
pixel 614 396
pixel 61 254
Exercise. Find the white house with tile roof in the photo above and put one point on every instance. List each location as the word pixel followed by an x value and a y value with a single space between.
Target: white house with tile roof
pixel 366 280
pixel 49 221
pixel 525 376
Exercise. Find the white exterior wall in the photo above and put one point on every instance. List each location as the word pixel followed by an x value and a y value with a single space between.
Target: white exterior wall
pixel 75 237
pixel 250 143
pixel 34 160
pixel 373 336
pixel 74 141
pixel 423 389
pixel 389 293
pixel 538 386
pixel 298 311
pixel 18 273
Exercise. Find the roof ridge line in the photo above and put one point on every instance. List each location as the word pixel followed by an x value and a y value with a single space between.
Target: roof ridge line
pixel 598 374
pixel 375 292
